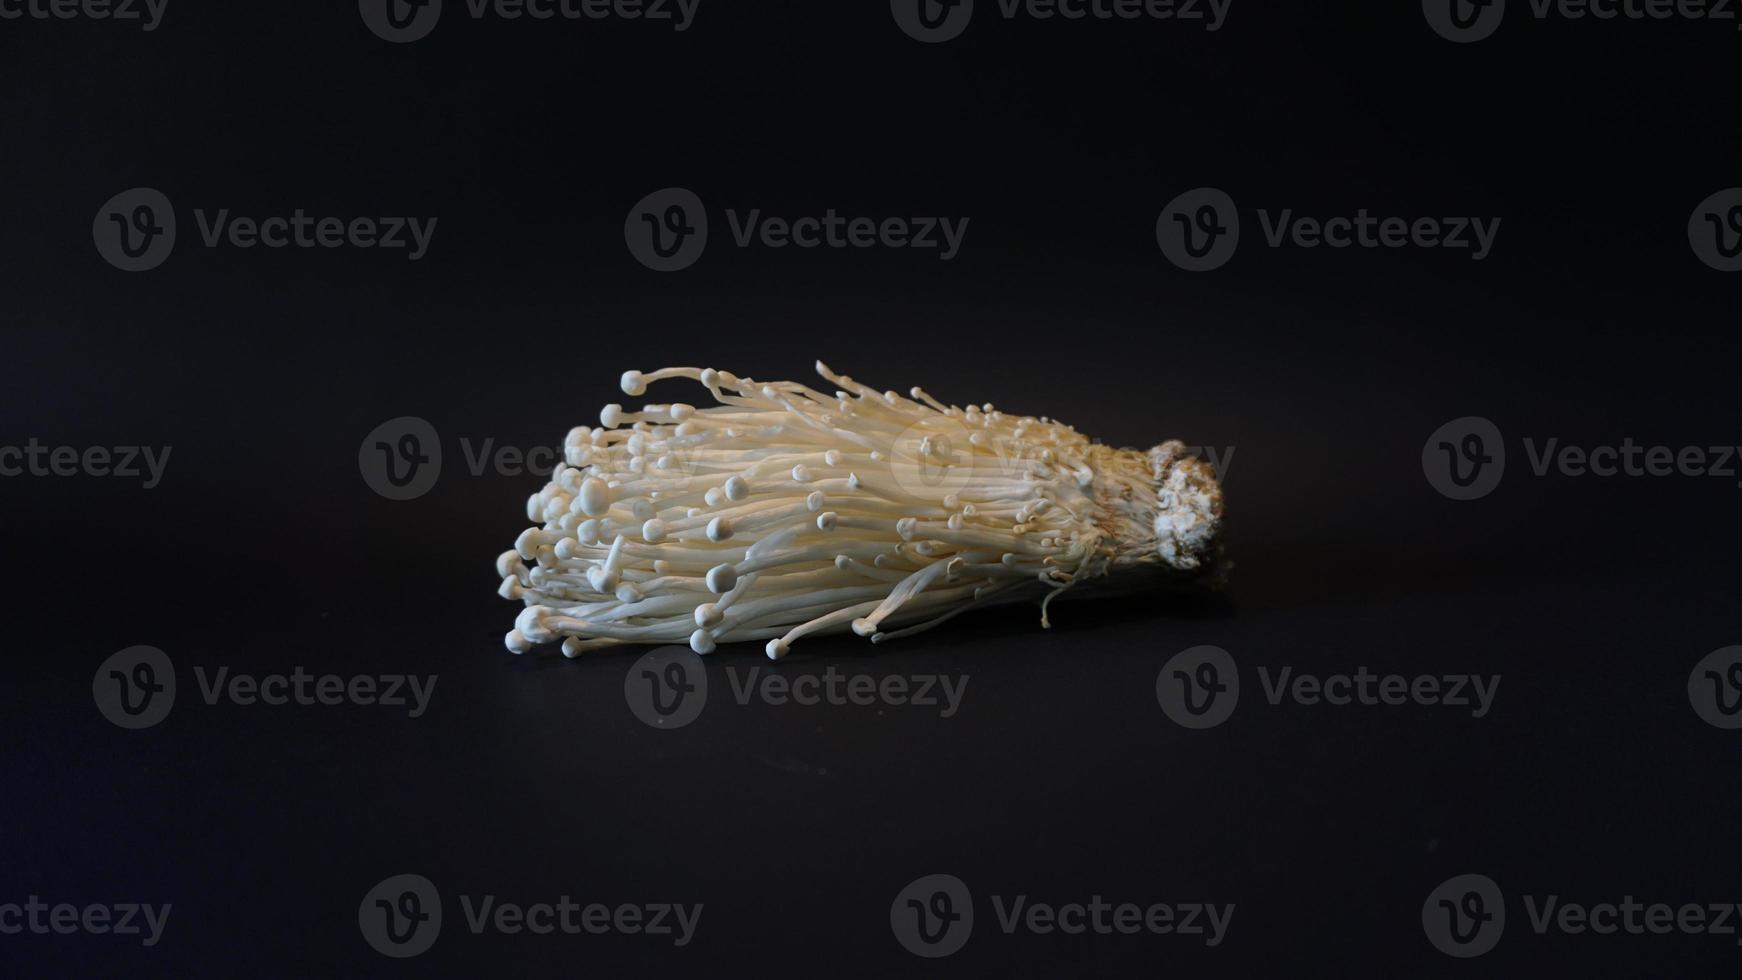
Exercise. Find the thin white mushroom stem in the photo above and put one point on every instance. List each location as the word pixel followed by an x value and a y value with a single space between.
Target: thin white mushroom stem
pixel 783 511
pixel 806 606
pixel 954 611
pixel 834 619
pixel 908 588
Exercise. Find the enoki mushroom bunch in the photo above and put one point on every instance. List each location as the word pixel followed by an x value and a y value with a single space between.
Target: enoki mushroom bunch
pixel 783 511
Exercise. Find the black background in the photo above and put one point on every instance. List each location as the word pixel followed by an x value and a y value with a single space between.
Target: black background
pixel 1060 778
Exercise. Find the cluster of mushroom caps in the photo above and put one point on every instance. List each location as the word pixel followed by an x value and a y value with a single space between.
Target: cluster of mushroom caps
pixel 782 511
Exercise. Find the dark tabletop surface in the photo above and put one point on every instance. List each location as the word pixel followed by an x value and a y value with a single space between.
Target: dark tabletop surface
pixel 1583 604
